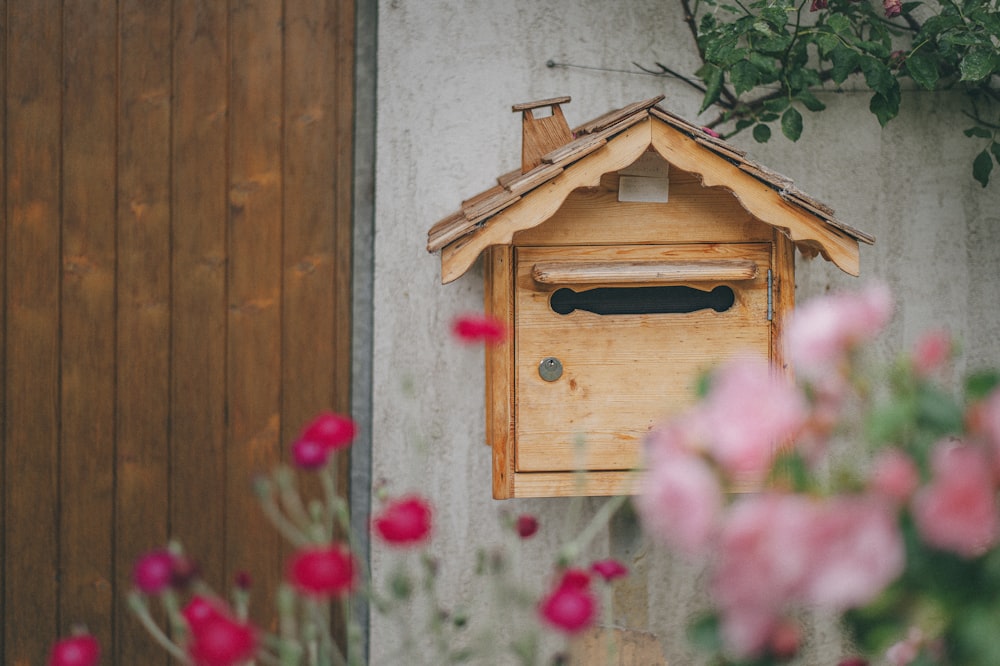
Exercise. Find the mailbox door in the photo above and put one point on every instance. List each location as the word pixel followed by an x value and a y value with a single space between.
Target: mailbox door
pixel 610 340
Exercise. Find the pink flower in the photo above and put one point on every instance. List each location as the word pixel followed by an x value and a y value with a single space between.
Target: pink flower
pixel 711 132
pixel 322 571
pixel 824 330
pixel 201 610
pixel 984 420
pixel 857 550
pixel 153 571
pixel 680 500
pixel 404 522
pixel 479 328
pixel 571 607
pixel 763 559
pixel 309 454
pixel 892 8
pixel 609 569
pixel 818 5
pixel 749 412
pixel 957 510
pixel 931 352
pixel 82 650
pixel 332 431
pixel 785 640
pixel 906 651
pixel 894 476
pixel 526 525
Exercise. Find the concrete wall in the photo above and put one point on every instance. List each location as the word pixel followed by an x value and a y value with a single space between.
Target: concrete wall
pixel 448 72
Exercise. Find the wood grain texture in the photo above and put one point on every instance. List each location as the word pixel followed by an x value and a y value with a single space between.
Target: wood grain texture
pixel 542 135
pixel 499 297
pixel 759 199
pixel 642 272
pixel 198 314
pixel 622 373
pixel 594 216
pixel 573 484
pixel 255 277
pixel 143 299
pixel 87 388
pixel 32 264
pixel 544 201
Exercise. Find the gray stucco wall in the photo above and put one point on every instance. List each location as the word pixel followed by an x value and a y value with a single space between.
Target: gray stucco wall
pixel 447 75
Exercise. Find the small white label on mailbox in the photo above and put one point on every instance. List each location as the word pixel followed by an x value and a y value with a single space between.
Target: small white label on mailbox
pixel 642 189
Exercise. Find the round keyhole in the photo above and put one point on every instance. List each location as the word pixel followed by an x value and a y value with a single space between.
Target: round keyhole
pixel 550 369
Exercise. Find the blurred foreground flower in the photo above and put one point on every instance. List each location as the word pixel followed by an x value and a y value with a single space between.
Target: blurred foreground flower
pixel 80 650
pixel 479 328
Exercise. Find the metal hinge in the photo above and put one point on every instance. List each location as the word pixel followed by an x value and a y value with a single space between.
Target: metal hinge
pixel 770 296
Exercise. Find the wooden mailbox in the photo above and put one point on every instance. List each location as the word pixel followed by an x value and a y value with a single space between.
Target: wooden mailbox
pixel 627 256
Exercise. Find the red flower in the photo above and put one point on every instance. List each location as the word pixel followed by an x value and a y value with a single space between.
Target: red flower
pixel 201 611
pixel 333 431
pixel 404 522
pixel 309 454
pixel 153 572
pixel 222 642
pixel 610 569
pixel 526 525
pixel 479 328
pixel 83 650
pixel 323 571
pixel 571 607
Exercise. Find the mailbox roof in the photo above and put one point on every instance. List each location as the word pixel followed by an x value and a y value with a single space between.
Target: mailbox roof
pixel 465 233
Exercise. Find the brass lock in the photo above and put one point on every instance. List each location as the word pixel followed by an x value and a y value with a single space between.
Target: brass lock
pixel 550 369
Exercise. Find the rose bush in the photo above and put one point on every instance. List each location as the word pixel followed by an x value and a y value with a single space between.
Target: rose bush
pixel 875 496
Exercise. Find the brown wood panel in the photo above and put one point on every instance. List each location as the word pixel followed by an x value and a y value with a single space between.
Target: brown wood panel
pixel 143 339
pixel 198 309
pixel 622 374
pixel 176 187
pixel 32 342
pixel 255 274
pixel 87 442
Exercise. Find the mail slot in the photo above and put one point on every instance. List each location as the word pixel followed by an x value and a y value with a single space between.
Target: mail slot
pixel 627 256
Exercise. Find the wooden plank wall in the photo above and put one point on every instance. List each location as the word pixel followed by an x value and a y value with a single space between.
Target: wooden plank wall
pixel 175 284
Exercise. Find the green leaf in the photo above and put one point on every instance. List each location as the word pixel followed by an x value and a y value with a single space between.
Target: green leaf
pixel 744 76
pixel 884 107
pixel 778 104
pixel 977 63
pixel 839 23
pixel 791 123
pixel 845 61
pixel 761 133
pixel 826 43
pixel 923 69
pixel 743 123
pixel 935 25
pixel 878 77
pixel 981 168
pixel 981 384
pixel 776 16
pixel 704 633
pixel 713 86
pixel 980 132
pixel 810 101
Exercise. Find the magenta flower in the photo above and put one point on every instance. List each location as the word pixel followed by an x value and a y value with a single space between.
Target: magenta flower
pixel 479 328
pixel 404 522
pixel 892 8
pixel 200 610
pixel 711 132
pixel 322 571
pixel 609 569
pixel 217 639
pixel 153 572
pixel 571 607
pixel 332 431
pixel 526 525
pixel 309 454
pixel 82 650
pixel 957 510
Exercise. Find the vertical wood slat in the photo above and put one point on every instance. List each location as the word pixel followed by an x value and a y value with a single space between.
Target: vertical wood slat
pixel 32 260
pixel 143 337
pixel 198 278
pixel 151 269
pixel 86 483
pixel 255 237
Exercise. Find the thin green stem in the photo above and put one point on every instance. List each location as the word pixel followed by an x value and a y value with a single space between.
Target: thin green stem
pixel 141 611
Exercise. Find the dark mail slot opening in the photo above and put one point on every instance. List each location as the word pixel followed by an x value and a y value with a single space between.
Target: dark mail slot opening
pixel 642 300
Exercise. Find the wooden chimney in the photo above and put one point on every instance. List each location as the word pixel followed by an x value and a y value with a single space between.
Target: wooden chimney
pixel 541 135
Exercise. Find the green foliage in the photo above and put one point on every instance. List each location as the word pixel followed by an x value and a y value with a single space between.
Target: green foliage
pixel 763 60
